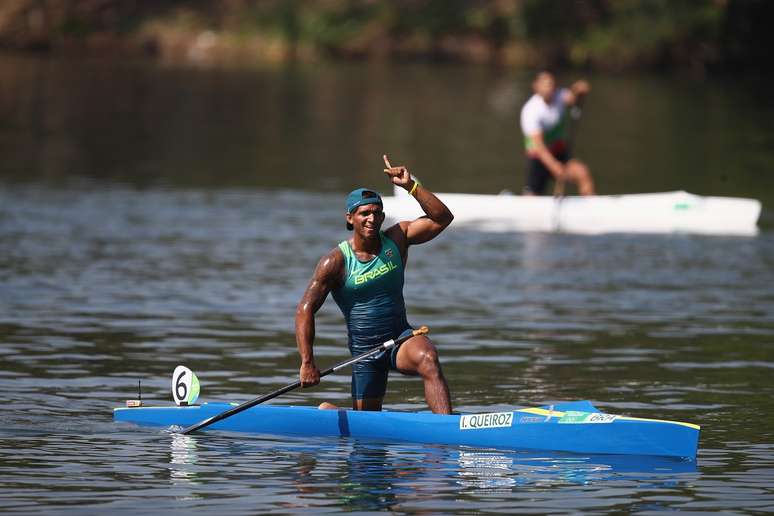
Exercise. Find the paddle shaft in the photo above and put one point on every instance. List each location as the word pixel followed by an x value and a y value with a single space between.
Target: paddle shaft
pixel 575 116
pixel 295 385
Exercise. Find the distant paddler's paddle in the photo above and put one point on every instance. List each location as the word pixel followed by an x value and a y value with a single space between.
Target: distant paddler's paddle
pixel 295 385
pixel 574 118
pixel 575 115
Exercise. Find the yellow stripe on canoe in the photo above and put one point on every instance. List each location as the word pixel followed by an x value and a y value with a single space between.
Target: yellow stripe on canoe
pixel 558 413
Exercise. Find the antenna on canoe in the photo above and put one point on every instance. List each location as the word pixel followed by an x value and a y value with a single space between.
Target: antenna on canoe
pixel 138 401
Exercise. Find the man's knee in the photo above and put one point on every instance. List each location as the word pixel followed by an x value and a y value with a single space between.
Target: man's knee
pixel 418 356
pixel 579 174
pixel 577 170
pixel 429 366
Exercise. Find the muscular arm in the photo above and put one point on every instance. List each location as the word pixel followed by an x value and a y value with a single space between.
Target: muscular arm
pixel 437 214
pixel 576 92
pixel 437 218
pixel 327 275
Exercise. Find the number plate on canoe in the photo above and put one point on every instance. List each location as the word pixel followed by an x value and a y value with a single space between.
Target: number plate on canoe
pixel 491 420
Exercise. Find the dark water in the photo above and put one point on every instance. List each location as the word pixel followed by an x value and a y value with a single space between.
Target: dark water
pixel 151 217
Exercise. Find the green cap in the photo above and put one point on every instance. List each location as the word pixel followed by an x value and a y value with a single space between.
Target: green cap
pixel 361 197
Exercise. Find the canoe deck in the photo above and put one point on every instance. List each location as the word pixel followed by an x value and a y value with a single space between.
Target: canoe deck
pixel 576 427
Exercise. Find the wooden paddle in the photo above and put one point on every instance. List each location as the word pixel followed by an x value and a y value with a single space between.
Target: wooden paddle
pixel 246 405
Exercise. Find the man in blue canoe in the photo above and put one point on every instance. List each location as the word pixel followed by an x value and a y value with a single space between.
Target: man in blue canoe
pixel 365 276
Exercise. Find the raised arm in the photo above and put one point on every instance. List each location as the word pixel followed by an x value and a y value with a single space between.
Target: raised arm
pixel 327 275
pixel 437 215
pixel 576 92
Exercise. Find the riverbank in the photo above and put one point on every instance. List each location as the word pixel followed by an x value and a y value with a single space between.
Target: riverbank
pixel 699 37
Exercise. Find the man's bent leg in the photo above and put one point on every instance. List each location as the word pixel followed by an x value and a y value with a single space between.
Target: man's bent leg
pixel 579 173
pixel 369 383
pixel 418 356
pixel 538 177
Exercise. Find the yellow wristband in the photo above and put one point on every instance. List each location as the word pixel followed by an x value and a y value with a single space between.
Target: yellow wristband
pixel 414 188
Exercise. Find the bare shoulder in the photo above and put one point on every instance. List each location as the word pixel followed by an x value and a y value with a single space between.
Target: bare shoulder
pixel 397 233
pixel 330 265
pixel 397 229
pixel 328 275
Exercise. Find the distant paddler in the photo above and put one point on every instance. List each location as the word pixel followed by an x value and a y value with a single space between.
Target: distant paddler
pixel 365 274
pixel 544 122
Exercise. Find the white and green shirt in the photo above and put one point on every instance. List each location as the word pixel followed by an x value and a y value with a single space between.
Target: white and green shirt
pixel 548 119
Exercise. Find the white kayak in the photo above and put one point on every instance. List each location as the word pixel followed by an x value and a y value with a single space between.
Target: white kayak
pixel 669 212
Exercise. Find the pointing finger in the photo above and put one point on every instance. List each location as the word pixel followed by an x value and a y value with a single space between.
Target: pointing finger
pixel 386 161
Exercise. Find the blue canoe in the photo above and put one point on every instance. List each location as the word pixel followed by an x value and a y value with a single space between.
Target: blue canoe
pixel 576 427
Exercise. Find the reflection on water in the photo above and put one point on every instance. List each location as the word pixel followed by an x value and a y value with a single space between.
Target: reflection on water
pixel 325 127
pixel 182 455
pixel 373 476
pixel 486 470
pixel 489 470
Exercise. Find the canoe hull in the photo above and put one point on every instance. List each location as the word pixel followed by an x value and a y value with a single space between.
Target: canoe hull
pixel 568 427
pixel 669 212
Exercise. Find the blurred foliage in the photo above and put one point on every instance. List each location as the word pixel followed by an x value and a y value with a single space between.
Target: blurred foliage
pixel 600 34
